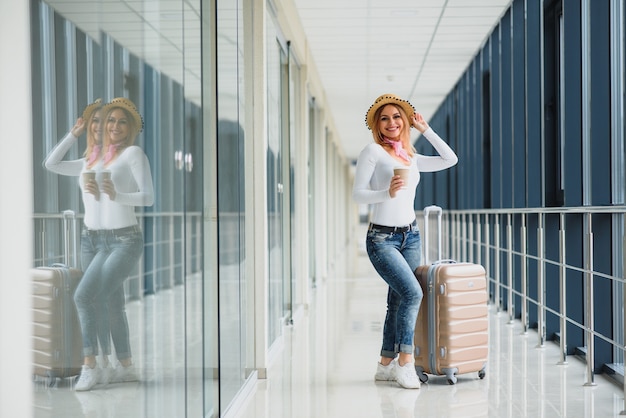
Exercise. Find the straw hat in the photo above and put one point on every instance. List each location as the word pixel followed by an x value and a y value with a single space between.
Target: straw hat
pixel 90 109
pixel 126 104
pixel 386 99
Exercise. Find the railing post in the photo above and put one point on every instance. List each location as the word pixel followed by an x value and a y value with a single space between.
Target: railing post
pixel 523 248
pixel 541 329
pixel 463 238
pixel 470 237
pixel 457 246
pixel 452 230
pixel 589 326
pixel 496 262
pixel 199 255
pixel 479 242
pixel 487 251
pixel 509 267
pixel 440 234
pixel 624 299
pixel 562 292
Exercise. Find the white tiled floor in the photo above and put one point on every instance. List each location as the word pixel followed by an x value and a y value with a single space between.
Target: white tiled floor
pixel 326 368
pixel 328 364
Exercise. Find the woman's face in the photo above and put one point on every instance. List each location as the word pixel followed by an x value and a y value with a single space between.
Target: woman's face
pixel 390 122
pixel 96 127
pixel 117 126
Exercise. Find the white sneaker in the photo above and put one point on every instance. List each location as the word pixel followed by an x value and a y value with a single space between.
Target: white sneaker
pixel 406 376
pixel 106 373
pixel 385 373
pixel 125 374
pixel 88 378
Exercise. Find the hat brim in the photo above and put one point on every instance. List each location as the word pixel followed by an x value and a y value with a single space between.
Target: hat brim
pixel 91 108
pixel 384 100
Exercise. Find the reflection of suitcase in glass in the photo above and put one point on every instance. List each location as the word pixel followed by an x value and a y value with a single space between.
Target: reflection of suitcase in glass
pixel 452 328
pixel 57 340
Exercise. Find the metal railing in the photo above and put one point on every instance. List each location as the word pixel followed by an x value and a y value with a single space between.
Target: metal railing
pixel 172 241
pixel 489 237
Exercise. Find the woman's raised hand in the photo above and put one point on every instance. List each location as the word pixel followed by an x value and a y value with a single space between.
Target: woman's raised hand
pixel 419 123
pixel 78 128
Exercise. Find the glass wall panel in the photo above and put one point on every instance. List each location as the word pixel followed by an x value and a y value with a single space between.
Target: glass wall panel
pixel 310 172
pixel 209 242
pixel 294 101
pixel 275 183
pixel 231 162
pixel 145 312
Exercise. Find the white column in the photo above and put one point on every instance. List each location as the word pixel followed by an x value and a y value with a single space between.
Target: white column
pixel 16 211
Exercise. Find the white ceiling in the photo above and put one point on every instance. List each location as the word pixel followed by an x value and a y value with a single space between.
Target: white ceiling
pixel 416 49
pixel 158 31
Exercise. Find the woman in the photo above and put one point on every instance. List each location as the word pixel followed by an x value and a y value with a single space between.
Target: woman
pixel 111 241
pixel 90 123
pixel 393 239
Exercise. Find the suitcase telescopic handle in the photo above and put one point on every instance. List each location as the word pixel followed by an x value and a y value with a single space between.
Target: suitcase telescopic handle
pixel 70 249
pixel 439 212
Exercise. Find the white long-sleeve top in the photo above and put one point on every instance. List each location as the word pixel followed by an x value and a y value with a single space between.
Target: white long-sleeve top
pixel 130 173
pixel 374 169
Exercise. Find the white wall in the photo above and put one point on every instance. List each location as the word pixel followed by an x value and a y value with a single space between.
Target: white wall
pixel 15 210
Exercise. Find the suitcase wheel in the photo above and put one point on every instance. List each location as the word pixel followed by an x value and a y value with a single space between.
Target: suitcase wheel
pixel 423 377
pixel 481 373
pixel 49 380
pixel 450 374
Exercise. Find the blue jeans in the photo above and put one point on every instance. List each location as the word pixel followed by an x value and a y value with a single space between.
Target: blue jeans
pixel 107 257
pixel 395 256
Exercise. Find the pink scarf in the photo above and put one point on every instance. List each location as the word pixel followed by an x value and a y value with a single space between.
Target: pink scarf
pixel 110 153
pixel 397 147
pixel 95 153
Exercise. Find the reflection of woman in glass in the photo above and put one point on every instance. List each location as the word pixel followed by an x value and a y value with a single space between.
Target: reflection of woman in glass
pixel 111 241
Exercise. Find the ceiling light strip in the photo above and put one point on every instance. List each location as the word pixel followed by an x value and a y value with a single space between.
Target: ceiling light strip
pixel 432 39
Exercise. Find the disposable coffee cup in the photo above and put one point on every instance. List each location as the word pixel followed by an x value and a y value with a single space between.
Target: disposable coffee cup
pixel 403 172
pixel 88 176
pixel 104 175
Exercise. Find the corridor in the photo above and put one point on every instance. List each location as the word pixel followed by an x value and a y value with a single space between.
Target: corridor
pixel 328 364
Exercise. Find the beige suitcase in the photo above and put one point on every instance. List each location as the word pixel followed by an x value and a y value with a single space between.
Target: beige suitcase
pixel 452 327
pixel 57 340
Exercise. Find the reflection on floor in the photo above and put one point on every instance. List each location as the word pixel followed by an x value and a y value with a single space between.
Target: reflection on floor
pixel 156 327
pixel 326 369
pixel 330 356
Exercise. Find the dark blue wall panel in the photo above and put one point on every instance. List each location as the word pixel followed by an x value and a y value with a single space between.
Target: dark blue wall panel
pixel 496 155
pixel 572 133
pixel 518 164
pixel 533 106
pixel 506 115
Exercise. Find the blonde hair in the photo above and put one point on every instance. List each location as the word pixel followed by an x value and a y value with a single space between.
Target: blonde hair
pixel 405 134
pixel 91 140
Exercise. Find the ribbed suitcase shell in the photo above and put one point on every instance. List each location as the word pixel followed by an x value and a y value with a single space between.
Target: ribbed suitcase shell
pixel 452 328
pixel 57 341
